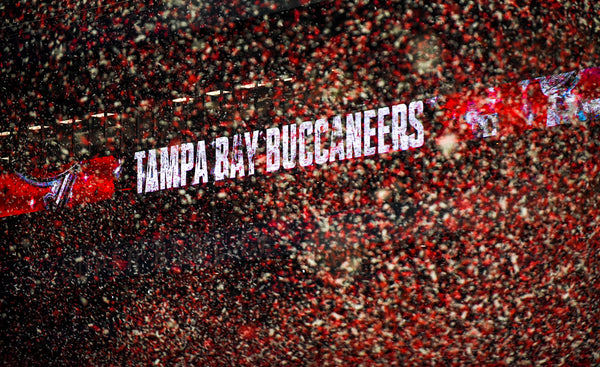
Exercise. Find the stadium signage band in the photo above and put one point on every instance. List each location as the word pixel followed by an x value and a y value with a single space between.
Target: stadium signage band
pixel 354 135
pixel 499 111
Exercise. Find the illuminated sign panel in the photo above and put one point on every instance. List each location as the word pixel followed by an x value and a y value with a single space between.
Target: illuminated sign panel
pixel 349 136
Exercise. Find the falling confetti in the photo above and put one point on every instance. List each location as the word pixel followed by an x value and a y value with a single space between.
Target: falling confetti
pixel 299 183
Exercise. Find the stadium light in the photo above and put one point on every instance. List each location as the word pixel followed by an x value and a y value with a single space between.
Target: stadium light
pixel 102 114
pixel 66 122
pixel 38 127
pixel 217 92
pixel 182 99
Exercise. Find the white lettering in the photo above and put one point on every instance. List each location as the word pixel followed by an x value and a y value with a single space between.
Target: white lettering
pixel 221 158
pixel 289 141
pixel 353 135
pixel 415 109
pixel 399 138
pixel 306 129
pixel 369 132
pixel 139 156
pixel 151 172
pixel 169 168
pixel 382 130
pixel 201 165
pixel 187 161
pixel 273 153
pixel 237 164
pixel 337 140
pixel 251 146
pixel 321 155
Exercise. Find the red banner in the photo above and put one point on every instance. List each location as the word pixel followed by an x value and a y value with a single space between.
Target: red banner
pixel 83 183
